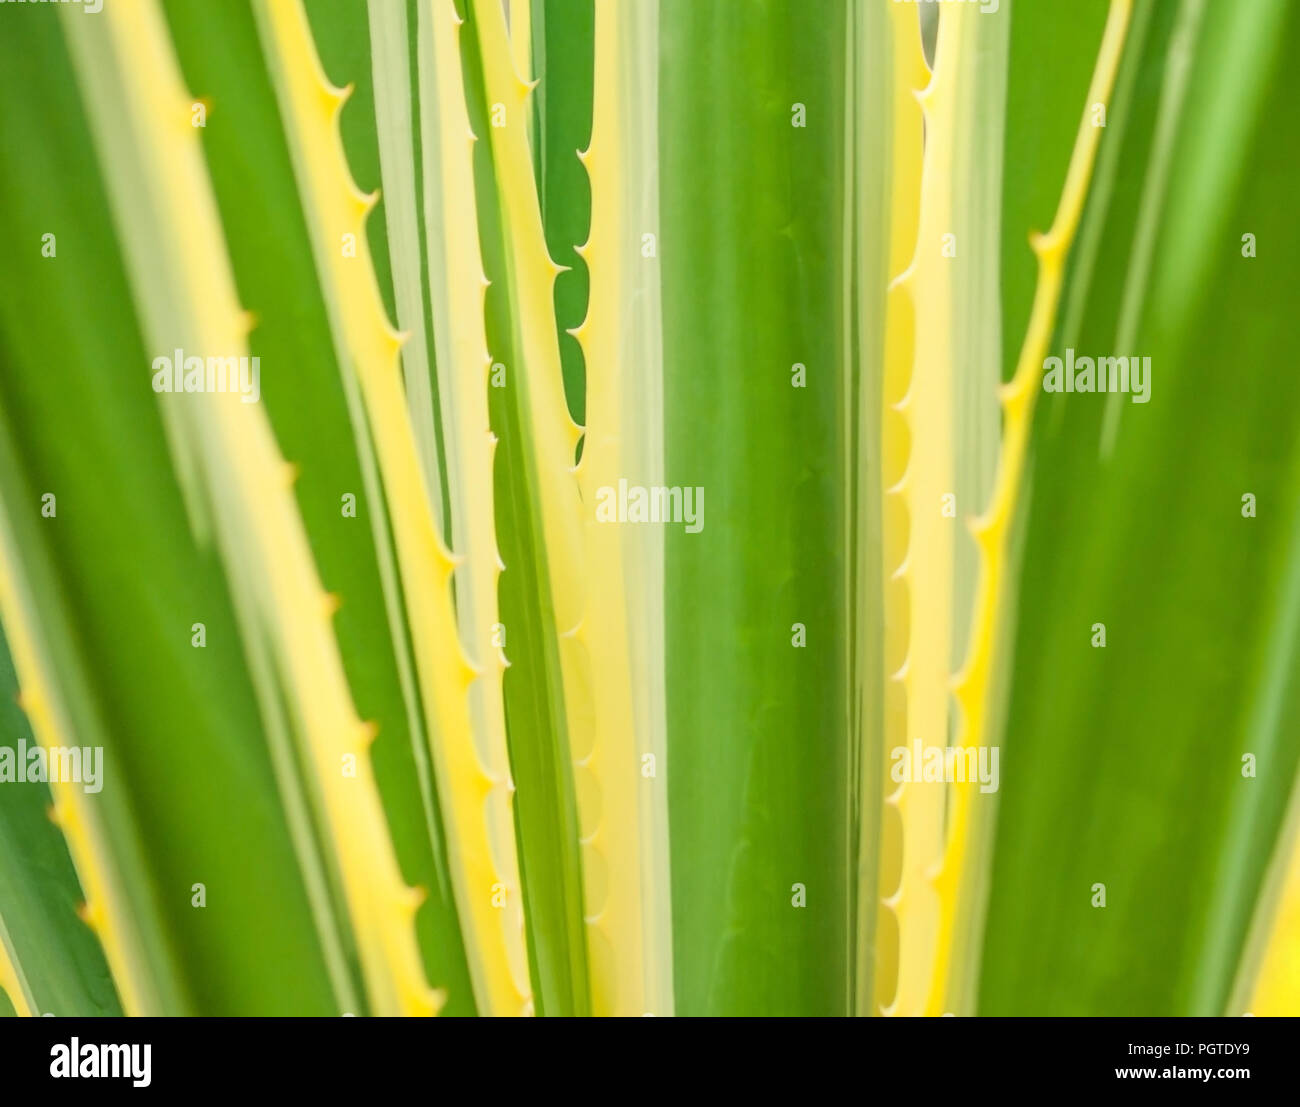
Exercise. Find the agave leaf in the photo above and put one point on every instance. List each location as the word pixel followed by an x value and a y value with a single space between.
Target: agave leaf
pixel 752 221
pixel 547 694
pixel 341 33
pixel 560 65
pixel 285 615
pixel 773 266
pixel 49 959
pixel 311 413
pixel 186 762
pixel 622 795
pixel 474 788
pixel 1268 978
pixel 456 291
pixel 397 122
pixel 959 877
pixel 888 125
pixel 951 425
pixel 1150 539
pixel 1051 61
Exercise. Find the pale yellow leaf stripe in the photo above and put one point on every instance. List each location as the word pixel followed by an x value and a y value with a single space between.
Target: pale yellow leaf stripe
pixel 622 836
pixel 926 573
pixel 1277 985
pixel 521 42
pixel 909 75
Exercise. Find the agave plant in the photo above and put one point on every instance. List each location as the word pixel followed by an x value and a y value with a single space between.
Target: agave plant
pixel 366 371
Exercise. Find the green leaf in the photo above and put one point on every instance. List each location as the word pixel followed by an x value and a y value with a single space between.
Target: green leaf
pixel 1123 765
pixel 323 432
pixel 114 584
pixel 750 251
pixel 1053 48
pixel 562 34
pixel 60 965
pixel 537 517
